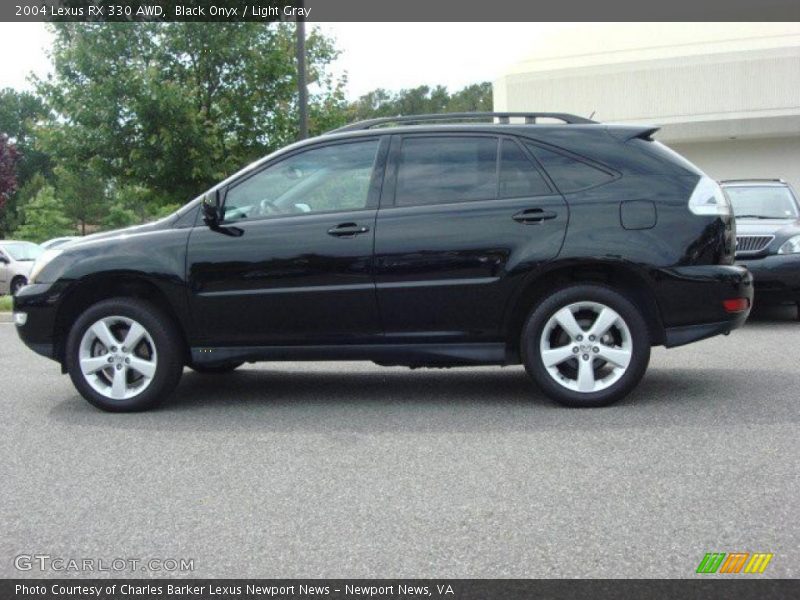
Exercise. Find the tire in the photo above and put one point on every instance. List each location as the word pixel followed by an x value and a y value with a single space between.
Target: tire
pixel 603 370
pixel 216 369
pixel 121 386
pixel 16 284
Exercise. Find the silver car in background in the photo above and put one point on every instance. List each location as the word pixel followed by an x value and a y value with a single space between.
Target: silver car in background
pixel 16 262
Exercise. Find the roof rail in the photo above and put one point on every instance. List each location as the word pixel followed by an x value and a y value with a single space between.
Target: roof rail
pixel 504 118
pixel 752 179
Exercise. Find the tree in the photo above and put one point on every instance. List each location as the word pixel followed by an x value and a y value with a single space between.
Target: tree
pixel 8 169
pixel 118 217
pixel 84 195
pixel 421 100
pixel 44 218
pixel 175 107
pixel 19 114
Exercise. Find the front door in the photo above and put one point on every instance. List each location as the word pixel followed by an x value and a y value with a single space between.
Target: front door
pixel 298 267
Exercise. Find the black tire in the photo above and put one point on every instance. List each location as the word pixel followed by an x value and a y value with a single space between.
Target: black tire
pixel 168 346
pixel 16 284
pixel 534 328
pixel 216 369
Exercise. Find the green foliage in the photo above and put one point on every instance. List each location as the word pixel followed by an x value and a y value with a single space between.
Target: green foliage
pixel 421 100
pixel 20 113
pixel 175 107
pixel 44 218
pixel 118 217
pixel 164 211
pixel 84 195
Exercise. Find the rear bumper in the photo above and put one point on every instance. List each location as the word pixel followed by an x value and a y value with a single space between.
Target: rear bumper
pixel 678 336
pixel 692 301
pixel 776 277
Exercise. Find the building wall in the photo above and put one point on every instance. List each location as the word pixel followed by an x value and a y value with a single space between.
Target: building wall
pixel 742 159
pixel 702 91
pixel 726 95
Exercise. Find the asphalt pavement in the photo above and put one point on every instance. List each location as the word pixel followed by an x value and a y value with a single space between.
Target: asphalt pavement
pixel 353 470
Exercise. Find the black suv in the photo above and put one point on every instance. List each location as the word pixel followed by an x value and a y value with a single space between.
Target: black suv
pixel 768 237
pixel 545 239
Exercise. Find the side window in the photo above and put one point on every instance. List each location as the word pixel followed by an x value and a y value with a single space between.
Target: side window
pixel 331 178
pixel 437 170
pixel 568 173
pixel 519 177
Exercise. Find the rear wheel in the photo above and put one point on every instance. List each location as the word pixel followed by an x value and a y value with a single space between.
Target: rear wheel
pixel 124 355
pixel 586 345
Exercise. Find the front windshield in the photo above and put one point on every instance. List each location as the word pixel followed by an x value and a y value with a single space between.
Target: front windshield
pixel 762 201
pixel 23 250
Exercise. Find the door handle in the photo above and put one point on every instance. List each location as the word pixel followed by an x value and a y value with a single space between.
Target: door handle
pixel 534 215
pixel 347 230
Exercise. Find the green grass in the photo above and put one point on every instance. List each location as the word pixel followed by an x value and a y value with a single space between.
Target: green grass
pixel 5 303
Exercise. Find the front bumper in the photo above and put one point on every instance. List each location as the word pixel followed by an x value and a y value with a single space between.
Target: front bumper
pixel 692 301
pixel 38 301
pixel 776 277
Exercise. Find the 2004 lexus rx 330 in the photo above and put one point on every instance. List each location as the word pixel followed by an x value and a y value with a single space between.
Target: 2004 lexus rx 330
pixel 447 240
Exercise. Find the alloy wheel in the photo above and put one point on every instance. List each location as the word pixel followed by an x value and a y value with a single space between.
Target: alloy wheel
pixel 586 346
pixel 117 357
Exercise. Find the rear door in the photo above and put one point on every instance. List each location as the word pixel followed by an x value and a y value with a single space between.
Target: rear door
pixel 462 218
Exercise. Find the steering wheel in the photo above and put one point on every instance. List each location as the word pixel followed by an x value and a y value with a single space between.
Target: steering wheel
pixel 268 207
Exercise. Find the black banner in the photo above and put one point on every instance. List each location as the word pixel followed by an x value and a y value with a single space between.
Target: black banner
pixel 393 10
pixel 409 589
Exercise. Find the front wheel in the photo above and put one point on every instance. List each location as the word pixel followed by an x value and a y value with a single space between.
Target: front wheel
pixel 586 345
pixel 124 355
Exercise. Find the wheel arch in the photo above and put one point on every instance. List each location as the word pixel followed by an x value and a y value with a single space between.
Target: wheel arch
pixel 102 286
pixel 623 277
pixel 16 277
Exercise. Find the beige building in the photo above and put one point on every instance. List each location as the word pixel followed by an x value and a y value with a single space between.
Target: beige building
pixel 727 95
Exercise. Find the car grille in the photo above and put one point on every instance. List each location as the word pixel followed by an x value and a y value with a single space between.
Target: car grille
pixel 752 244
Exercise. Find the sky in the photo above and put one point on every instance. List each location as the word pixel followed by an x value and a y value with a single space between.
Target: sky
pixel 388 55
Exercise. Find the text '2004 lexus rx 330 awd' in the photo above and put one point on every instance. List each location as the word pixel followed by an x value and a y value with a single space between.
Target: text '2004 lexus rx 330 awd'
pixel 548 240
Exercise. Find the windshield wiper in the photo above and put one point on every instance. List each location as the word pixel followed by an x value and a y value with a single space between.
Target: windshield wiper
pixel 755 217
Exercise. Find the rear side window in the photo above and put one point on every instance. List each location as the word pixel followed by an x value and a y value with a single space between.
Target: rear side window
pixel 437 170
pixel 569 174
pixel 519 177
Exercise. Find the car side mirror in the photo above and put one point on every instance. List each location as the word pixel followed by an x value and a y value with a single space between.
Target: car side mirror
pixel 214 214
pixel 3 260
pixel 212 209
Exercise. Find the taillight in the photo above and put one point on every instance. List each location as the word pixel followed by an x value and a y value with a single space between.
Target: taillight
pixel 735 305
pixel 708 199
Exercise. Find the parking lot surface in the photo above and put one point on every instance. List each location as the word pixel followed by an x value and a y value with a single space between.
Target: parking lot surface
pixel 352 470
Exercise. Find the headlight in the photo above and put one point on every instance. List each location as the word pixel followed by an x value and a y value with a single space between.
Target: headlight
pixel 708 199
pixel 41 262
pixel 790 246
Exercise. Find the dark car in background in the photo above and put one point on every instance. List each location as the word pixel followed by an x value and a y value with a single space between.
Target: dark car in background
pixel 547 240
pixel 768 237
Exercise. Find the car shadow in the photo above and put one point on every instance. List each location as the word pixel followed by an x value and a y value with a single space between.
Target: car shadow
pixel 773 314
pixel 374 401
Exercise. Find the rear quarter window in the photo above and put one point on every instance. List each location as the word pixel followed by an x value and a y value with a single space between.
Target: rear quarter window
pixel 519 177
pixel 568 173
